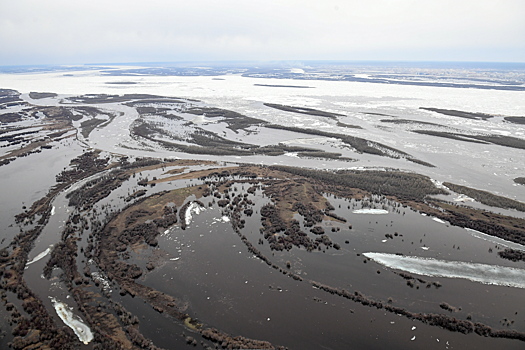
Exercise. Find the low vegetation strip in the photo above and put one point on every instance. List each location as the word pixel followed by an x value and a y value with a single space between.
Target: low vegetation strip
pixel 304 110
pixel 461 114
pixel 487 198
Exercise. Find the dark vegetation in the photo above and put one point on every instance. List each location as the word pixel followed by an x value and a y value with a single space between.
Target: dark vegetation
pixel 89 125
pixel 121 82
pixel 96 189
pixel 461 114
pixel 512 254
pixel 9 98
pixel 40 95
pixel 324 155
pixel 105 98
pixel 304 110
pixel 350 126
pixel 506 141
pixel 38 330
pixel 359 144
pixel 409 121
pixel 487 198
pixel 515 120
pixel 207 142
pixel 389 183
pixel 520 180
pixel 450 135
pixel 508 228
pixel 235 121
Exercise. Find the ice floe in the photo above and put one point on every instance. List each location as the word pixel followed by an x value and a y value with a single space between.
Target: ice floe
pixel 81 330
pixel 53 211
pixel 370 211
pixel 482 273
pixel 439 220
pixel 40 256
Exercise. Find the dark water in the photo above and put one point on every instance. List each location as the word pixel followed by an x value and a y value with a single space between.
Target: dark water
pixel 211 271
pixel 226 287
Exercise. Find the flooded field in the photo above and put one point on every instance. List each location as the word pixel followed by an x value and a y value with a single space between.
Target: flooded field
pixel 302 221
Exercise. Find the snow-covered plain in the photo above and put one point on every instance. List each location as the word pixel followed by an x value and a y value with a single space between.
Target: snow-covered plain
pixel 483 166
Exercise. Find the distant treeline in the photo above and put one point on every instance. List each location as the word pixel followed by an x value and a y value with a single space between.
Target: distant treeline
pixel 487 198
pixel 507 141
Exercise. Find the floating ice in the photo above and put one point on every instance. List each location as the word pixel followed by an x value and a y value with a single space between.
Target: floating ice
pixel 53 211
pixel 292 154
pixel 482 273
pixel 225 219
pixel 439 220
pixel 40 256
pixel 370 211
pixel 193 209
pixel 72 321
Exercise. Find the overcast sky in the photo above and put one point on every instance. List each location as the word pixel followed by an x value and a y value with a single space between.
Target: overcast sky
pixel 95 31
